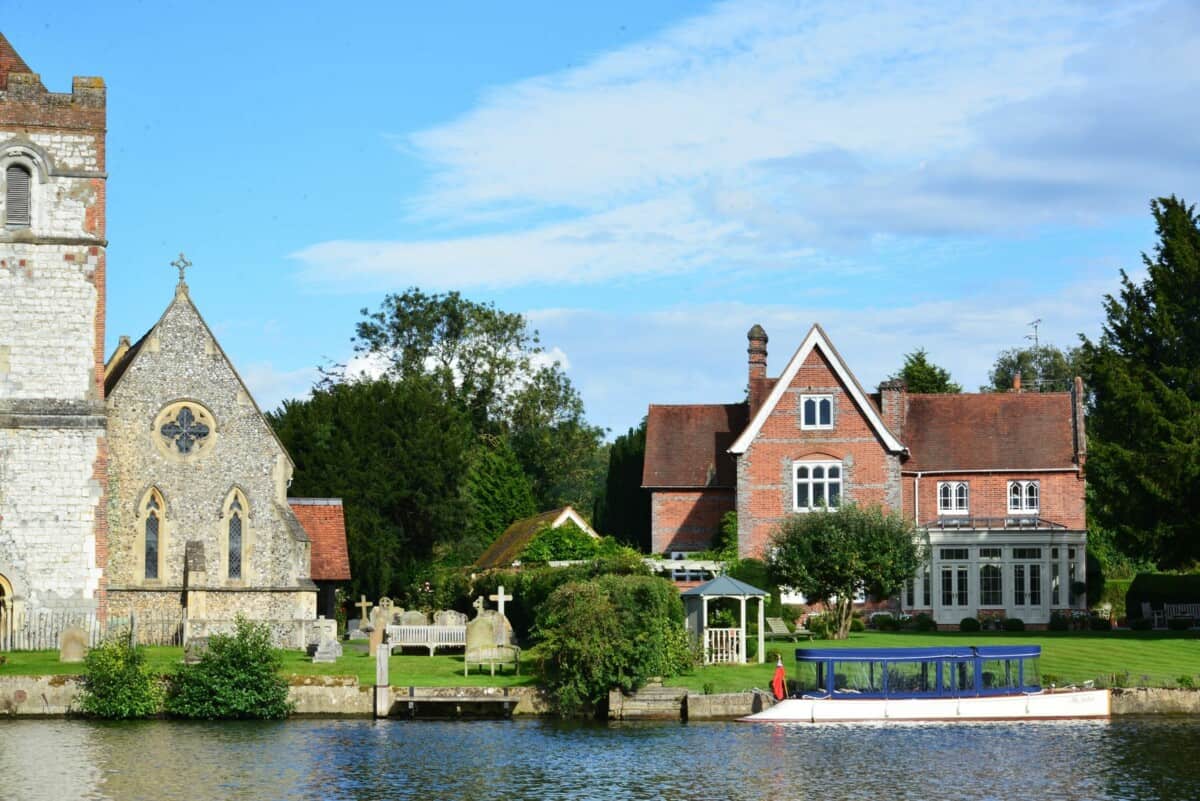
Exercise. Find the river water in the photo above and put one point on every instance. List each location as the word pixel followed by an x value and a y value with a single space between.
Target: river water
pixel 536 759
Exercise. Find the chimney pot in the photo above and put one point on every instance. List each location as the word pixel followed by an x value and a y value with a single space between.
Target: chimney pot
pixel 1016 387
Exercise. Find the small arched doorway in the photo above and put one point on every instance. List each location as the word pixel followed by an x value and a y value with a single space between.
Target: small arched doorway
pixel 6 608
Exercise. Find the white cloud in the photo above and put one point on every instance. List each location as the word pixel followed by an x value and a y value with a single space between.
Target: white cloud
pixel 270 386
pixel 761 132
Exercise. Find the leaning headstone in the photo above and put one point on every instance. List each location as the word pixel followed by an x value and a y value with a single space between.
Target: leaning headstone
pixel 375 640
pixel 328 647
pixel 196 648
pixel 72 645
pixel 355 631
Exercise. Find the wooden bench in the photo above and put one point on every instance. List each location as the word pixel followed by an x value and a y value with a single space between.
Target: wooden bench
pixel 431 637
pixel 492 656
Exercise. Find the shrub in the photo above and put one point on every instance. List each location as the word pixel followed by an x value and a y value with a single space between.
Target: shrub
pixel 117 684
pixel 856 624
pixel 568 541
pixel 1180 623
pixel 1050 680
pixel 821 626
pixel 885 622
pixel 612 632
pixel 1059 622
pixel 968 624
pixel 1161 588
pixel 1099 623
pixel 1014 624
pixel 1186 682
pixel 923 622
pixel 237 677
pixel 1141 624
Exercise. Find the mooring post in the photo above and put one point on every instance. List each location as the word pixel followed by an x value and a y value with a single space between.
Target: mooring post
pixel 383 692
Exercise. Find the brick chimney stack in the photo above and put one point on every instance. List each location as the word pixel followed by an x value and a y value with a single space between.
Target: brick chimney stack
pixel 892 397
pixel 1016 381
pixel 758 366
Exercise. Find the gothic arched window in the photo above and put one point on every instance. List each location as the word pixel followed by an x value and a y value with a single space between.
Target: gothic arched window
pixel 236 535
pixel 152 512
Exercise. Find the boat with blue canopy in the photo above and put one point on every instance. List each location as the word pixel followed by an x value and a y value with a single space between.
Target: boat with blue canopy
pixel 999 682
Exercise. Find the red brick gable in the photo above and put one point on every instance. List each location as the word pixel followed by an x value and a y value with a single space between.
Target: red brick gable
pixel 688 446
pixel 322 518
pixel 10 61
pixel 991 431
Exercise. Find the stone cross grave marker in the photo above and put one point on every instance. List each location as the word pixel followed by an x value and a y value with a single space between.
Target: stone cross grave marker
pixel 328 647
pixel 500 598
pixel 386 606
pixel 365 606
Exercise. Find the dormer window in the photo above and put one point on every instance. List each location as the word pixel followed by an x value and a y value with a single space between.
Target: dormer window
pixel 816 411
pixel 954 497
pixel 17 182
pixel 1023 497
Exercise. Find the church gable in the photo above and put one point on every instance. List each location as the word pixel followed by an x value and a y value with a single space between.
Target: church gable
pixel 183 426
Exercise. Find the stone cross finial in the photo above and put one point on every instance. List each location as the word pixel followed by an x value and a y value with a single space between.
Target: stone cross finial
pixel 181 264
pixel 500 598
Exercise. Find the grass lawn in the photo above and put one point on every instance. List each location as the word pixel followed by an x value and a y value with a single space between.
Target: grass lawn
pixel 1155 659
pixel 420 670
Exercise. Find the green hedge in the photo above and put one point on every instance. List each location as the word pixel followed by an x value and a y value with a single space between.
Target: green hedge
pixel 1114 595
pixel 1161 588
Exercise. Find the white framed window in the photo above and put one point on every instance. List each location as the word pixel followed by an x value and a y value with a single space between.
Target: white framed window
pixel 816 411
pixel 817 485
pixel 1024 496
pixel 954 497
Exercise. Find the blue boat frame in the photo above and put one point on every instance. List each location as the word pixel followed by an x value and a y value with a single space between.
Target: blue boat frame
pixel 970 657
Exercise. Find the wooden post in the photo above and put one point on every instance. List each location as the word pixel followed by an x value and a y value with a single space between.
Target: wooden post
pixel 762 640
pixel 383 692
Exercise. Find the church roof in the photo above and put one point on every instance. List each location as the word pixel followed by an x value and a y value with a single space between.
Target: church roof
pixel 10 61
pixel 325 523
pixel 688 446
pixel 509 545
pixel 990 431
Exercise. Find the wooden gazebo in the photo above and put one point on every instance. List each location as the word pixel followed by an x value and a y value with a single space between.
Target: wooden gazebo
pixel 724 645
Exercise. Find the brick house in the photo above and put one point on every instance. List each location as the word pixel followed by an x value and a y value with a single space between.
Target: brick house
pixel 994 480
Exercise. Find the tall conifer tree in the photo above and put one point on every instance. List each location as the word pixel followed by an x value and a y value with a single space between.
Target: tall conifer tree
pixel 1144 379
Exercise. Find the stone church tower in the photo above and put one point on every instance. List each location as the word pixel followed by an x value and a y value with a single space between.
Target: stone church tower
pixel 53 533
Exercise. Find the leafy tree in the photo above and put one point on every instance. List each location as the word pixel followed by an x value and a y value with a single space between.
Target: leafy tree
pixel 117 683
pixel 1144 377
pixel 497 493
pixel 237 677
pixel 1044 368
pixel 397 454
pixel 922 375
pixel 831 555
pixel 611 632
pixel 568 541
pixel 623 509
pixel 490 364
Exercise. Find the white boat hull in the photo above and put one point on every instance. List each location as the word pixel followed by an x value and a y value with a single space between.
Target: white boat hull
pixel 1071 704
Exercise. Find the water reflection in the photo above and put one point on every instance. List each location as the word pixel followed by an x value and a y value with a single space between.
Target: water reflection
pixel 1146 759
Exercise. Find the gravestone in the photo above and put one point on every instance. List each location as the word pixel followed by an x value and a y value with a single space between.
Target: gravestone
pixel 449 617
pixel 375 638
pixel 414 618
pixel 364 616
pixel 196 647
pixel 355 630
pixel 328 647
pixel 500 598
pixel 72 644
pixel 384 610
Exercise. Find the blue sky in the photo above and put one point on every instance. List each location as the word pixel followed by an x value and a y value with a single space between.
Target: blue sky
pixel 644 181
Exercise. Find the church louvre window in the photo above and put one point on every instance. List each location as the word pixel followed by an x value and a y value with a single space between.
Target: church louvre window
pixel 17 184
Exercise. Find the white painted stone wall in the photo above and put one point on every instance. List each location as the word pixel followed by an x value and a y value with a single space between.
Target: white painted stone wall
pixel 47 322
pixel 48 504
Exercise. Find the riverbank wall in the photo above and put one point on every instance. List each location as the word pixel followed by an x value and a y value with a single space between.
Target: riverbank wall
pixel 343 696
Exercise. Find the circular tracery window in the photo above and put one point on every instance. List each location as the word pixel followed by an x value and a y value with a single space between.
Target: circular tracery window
pixel 184 429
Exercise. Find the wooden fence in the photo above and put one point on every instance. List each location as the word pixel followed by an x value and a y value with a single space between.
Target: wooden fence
pixel 41 630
